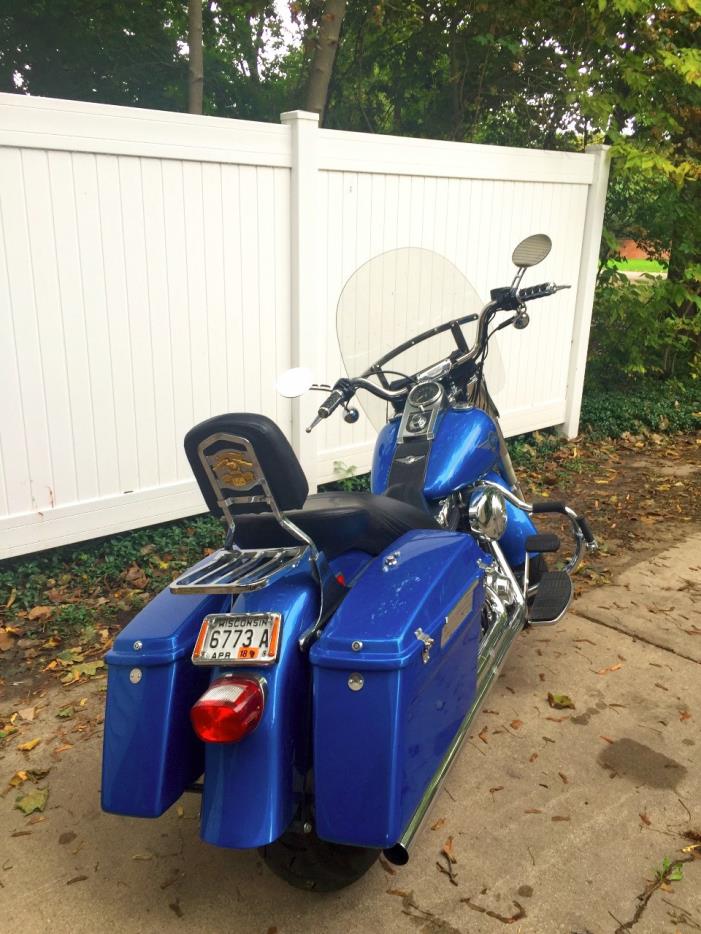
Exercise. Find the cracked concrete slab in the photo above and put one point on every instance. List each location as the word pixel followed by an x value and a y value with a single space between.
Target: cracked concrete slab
pixel 559 818
pixel 656 600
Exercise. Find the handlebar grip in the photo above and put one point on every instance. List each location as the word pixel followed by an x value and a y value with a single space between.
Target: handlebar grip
pixel 331 403
pixel 586 530
pixel 537 291
pixel 547 505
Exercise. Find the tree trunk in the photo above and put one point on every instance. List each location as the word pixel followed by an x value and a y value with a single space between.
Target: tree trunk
pixel 324 55
pixel 195 86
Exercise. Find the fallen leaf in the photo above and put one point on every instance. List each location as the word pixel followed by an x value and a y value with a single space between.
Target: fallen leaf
pixel 645 819
pixel 606 739
pixel 180 810
pixel 84 670
pixel 447 850
pixel 136 576
pixel 6 640
pixel 557 719
pixel 564 778
pixel 558 817
pixel 67 837
pixel 496 788
pixel 533 756
pixel 17 779
pixel 532 811
pixel 560 701
pixel 11 599
pixel 33 801
pixel 27 713
pixel 684 715
pixel 516 724
pixel 616 667
pixel 483 734
pixel 66 713
pixel 40 612
pixel 29 745
pixel 438 824
pixel 76 879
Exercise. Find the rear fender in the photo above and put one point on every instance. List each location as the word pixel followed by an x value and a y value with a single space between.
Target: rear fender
pixel 253 789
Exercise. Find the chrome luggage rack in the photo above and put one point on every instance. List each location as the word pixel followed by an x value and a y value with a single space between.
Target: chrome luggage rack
pixel 237 570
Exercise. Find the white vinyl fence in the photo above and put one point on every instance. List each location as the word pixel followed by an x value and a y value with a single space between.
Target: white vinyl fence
pixel 159 268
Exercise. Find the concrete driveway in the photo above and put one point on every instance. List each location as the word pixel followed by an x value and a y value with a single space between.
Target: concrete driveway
pixel 559 818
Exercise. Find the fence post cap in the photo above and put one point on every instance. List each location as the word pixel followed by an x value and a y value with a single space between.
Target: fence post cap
pixel 290 116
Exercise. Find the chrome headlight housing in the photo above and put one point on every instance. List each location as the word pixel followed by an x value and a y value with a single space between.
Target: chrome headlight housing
pixel 487 514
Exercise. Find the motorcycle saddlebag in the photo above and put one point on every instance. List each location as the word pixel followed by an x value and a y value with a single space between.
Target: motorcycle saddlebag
pixel 151 753
pixel 387 702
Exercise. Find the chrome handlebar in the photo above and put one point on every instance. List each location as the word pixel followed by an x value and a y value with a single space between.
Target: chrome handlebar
pixel 345 389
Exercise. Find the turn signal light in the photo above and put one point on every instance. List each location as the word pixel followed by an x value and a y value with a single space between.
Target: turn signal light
pixel 229 710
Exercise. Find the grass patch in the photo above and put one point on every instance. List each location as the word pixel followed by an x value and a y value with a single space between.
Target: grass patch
pixel 638 265
pixel 96 580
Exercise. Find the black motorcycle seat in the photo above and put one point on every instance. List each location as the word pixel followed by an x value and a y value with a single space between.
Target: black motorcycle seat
pixel 337 522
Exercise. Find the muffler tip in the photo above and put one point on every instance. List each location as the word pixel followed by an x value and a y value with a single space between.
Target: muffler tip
pixel 398 855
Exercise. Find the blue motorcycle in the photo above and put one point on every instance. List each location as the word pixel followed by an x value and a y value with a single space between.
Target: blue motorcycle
pixel 315 677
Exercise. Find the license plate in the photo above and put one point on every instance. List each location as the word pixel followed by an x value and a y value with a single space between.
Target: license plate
pixel 238 639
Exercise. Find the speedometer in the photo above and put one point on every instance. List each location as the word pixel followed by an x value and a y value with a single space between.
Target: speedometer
pixel 425 394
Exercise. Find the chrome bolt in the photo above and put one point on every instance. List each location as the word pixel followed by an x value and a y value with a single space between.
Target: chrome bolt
pixel 307 827
pixel 390 561
pixel 138 645
pixel 356 681
pixel 357 645
pixel 135 675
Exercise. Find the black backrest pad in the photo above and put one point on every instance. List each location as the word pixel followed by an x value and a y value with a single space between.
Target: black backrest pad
pixel 215 454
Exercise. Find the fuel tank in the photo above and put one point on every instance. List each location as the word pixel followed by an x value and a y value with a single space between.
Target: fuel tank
pixel 465 447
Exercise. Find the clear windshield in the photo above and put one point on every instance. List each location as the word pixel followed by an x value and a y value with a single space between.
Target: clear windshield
pixel 392 298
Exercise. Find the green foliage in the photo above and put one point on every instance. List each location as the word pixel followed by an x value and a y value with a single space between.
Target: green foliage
pixel 649 326
pixel 531 449
pixel 642 405
pixel 92 567
pixel 348 480
pixel 669 871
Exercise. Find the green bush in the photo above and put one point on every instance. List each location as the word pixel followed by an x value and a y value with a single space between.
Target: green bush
pixel 650 326
pixel 640 405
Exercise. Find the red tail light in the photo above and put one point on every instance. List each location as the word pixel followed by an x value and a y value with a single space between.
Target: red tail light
pixel 230 709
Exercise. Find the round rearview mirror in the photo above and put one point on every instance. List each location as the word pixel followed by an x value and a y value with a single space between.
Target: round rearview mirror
pixel 532 250
pixel 294 382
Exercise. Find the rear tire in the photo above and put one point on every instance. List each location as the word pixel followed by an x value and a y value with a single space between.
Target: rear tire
pixel 306 862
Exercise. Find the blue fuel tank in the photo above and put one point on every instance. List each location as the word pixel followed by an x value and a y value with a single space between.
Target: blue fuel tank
pixel 465 447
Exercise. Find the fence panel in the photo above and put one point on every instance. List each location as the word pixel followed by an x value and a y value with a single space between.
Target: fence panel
pixel 157 268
